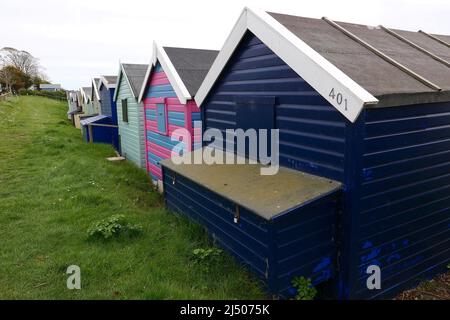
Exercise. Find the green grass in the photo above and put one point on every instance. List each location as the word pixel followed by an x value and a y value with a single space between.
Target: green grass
pixel 53 187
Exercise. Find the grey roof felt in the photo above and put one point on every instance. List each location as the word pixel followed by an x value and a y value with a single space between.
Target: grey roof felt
pixel 135 74
pixel 443 38
pixel 192 65
pixel 427 43
pixel 387 82
pixel 110 79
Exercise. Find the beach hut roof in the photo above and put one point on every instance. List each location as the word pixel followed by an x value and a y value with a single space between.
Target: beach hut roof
pixel 185 67
pixel 134 75
pixel 93 119
pixel 86 93
pixel 364 65
pixel 108 81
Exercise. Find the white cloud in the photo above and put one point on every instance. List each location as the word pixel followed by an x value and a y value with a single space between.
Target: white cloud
pixel 78 39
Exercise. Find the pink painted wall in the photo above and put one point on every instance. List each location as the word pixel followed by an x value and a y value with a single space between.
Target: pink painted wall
pixel 178 115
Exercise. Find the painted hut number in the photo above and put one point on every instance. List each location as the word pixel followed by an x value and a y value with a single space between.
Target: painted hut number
pixel 339 98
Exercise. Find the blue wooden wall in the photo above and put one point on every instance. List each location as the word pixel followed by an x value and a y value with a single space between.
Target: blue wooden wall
pixel 394 163
pixel 100 134
pixel 404 223
pixel 312 132
pixel 108 106
pixel 301 242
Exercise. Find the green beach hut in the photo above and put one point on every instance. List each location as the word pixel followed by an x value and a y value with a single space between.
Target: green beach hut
pixel 130 112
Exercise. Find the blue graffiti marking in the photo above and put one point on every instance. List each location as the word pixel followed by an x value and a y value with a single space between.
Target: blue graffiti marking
pixel 393 257
pixel 372 254
pixel 322 264
pixel 368 174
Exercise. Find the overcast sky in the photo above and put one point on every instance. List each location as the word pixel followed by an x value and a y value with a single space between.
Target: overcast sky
pixel 78 39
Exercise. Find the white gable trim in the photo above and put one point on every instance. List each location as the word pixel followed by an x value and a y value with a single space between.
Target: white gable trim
pixel 119 78
pixel 159 54
pixel 95 91
pixel 147 76
pixel 84 95
pixel 305 61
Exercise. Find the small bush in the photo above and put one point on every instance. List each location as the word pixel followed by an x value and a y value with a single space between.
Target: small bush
pixel 113 226
pixel 305 290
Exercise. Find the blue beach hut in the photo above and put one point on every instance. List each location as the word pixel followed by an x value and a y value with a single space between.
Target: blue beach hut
pixel 363 115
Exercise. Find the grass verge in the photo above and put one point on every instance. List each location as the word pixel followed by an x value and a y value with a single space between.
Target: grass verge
pixel 53 187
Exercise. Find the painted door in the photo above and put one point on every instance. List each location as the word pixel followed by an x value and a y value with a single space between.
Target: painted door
pixel 161 117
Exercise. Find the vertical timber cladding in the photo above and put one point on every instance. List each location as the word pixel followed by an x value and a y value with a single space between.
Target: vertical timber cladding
pixel 312 132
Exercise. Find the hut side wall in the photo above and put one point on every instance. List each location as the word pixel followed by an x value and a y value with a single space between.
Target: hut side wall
pixel 132 132
pixel 405 197
pixel 96 105
pixel 108 106
pixel 89 108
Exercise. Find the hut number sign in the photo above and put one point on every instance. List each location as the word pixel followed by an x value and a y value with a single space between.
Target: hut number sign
pixel 339 98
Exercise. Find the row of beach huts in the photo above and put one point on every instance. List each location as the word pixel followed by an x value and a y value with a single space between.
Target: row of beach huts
pixel 361 202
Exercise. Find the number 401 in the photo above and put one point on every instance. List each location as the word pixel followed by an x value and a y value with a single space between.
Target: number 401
pixel 339 98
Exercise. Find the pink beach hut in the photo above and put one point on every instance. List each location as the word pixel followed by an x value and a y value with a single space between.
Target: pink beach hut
pixel 172 80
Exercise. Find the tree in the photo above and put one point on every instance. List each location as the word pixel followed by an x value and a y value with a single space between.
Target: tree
pixel 14 78
pixel 19 69
pixel 21 60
